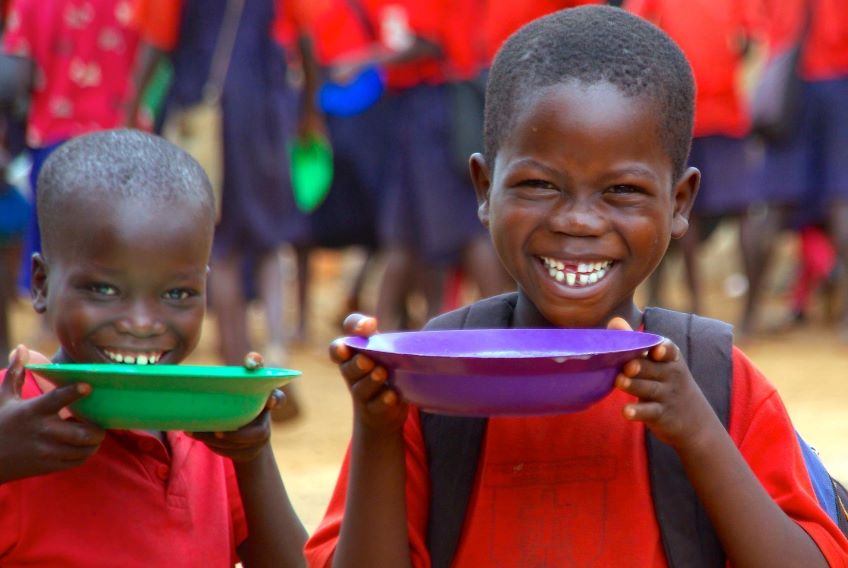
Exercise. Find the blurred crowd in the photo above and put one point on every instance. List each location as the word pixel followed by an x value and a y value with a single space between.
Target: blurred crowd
pixel 389 94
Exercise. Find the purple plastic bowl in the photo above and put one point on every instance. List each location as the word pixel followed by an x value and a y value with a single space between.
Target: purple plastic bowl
pixel 504 372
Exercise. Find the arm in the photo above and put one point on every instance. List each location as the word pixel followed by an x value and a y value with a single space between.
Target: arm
pixel 275 534
pixel 381 56
pixel 147 59
pixel 311 121
pixel 374 530
pixel 753 529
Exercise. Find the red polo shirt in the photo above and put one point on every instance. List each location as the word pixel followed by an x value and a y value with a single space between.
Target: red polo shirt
pixel 573 489
pixel 133 503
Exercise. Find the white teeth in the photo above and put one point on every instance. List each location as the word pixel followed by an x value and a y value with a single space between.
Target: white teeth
pixel 579 273
pixel 150 358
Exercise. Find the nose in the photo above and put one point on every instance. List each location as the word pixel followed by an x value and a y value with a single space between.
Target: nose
pixel 578 217
pixel 141 319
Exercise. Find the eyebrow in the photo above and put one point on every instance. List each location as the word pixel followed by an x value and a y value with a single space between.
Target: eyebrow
pixel 633 170
pixel 530 162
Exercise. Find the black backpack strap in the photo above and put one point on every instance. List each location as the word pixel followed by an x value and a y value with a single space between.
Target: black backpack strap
pixel 454 442
pixel 687 534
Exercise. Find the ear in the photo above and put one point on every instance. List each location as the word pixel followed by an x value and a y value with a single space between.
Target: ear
pixel 685 191
pixel 39 283
pixel 481 178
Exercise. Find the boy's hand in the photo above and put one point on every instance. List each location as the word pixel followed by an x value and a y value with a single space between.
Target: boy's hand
pixel 246 443
pixel 34 439
pixel 670 402
pixel 375 405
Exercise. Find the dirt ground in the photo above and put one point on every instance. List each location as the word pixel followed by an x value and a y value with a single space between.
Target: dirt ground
pixel 808 365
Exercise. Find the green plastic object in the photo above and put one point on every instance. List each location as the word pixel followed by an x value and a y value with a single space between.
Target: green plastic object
pixel 193 398
pixel 311 161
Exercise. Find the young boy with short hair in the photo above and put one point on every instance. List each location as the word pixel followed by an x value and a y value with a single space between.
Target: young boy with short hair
pixel 127 224
pixel 582 184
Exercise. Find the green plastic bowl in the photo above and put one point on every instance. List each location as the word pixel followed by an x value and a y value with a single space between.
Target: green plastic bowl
pixel 311 163
pixel 193 398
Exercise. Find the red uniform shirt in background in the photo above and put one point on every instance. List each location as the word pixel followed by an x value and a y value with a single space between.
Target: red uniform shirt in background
pixel 825 53
pixel 574 490
pixel 503 17
pixel 710 33
pixel 465 40
pixel 85 53
pixel 340 32
pixel 158 21
pixel 134 503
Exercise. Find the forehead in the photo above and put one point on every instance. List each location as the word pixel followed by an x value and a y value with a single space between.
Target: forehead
pixel 588 122
pixel 96 226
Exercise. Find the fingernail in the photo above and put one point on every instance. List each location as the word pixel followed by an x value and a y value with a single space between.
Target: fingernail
pixel 389 398
pixel 379 375
pixel 83 388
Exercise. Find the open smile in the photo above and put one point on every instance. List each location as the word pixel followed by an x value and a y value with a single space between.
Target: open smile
pixel 133 357
pixel 576 273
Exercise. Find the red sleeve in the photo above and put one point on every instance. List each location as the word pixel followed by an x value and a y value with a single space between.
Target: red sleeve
pixel 158 22
pixel 322 544
pixel 761 428
pixel 18 36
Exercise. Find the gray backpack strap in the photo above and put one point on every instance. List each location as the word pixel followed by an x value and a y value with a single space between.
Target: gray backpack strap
pixel 454 442
pixel 687 534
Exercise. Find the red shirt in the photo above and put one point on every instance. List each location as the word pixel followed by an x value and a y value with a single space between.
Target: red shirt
pixel 826 49
pixel 574 489
pixel 131 504
pixel 85 52
pixel 710 33
pixel 339 32
pixel 158 21
pixel 503 17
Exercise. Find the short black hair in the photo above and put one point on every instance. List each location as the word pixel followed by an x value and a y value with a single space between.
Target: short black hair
pixel 118 164
pixel 593 44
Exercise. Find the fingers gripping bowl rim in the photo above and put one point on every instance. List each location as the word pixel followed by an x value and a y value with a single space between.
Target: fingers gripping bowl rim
pixel 195 398
pixel 504 372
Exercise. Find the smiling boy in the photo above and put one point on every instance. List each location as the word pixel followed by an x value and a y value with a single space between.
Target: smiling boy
pixel 127 223
pixel 582 185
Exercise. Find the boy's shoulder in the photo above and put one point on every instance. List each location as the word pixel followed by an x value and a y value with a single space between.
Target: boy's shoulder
pixel 492 312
